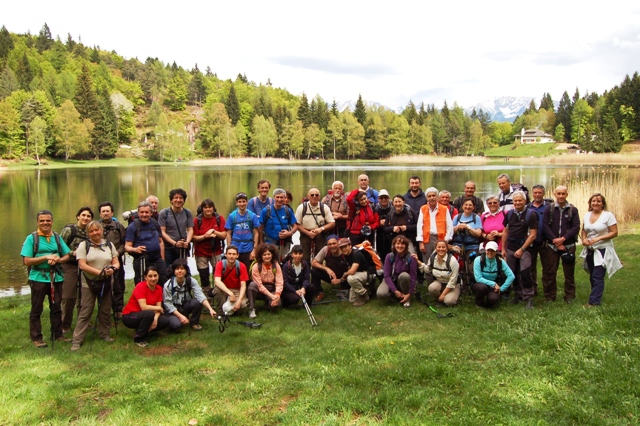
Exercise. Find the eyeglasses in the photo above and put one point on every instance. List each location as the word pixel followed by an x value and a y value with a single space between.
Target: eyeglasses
pixel 314 195
pixel 491 203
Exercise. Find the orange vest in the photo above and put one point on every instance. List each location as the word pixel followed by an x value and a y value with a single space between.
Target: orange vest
pixel 441 222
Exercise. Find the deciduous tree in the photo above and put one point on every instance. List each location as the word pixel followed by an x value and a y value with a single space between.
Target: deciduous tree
pixel 71 133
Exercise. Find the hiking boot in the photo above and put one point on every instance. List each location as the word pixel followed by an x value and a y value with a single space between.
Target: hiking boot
pixel 362 299
pixel 62 339
pixel 40 343
pixel 75 347
pixel 196 327
pixel 142 344
pixel 529 304
pixel 65 330
pixel 319 298
pixel 252 314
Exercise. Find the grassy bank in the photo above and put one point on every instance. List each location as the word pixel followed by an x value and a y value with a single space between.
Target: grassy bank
pixel 380 364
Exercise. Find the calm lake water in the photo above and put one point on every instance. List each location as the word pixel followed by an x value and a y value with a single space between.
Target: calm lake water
pixel 65 191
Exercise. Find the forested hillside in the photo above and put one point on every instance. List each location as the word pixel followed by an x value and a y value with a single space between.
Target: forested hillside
pixel 67 100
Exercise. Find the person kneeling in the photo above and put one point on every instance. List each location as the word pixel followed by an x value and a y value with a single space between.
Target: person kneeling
pixel 400 272
pixel 444 268
pixel 183 298
pixel 296 274
pixel 267 282
pixel 144 310
pixel 493 277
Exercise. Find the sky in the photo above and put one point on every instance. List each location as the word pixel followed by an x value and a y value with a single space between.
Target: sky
pixel 389 52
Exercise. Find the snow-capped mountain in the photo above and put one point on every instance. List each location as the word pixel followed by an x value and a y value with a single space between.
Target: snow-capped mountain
pixel 506 108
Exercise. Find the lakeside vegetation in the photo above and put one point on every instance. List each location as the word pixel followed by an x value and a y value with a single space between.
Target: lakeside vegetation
pixel 558 364
pixel 71 101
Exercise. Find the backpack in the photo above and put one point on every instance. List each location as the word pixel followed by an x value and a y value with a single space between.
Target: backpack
pixel 74 235
pixel 232 218
pixel 527 216
pixel 370 255
pixel 305 206
pixel 550 207
pixel 138 224
pixel 287 212
pixel 392 259
pixel 216 243
pixel 187 288
pixel 165 215
pixel 521 187
pixel 224 269
pixel 36 245
pixel 108 244
pixel 431 262
pixel 465 238
pixel 274 270
pixel 483 264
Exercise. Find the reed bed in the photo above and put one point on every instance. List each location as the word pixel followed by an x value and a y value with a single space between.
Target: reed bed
pixel 618 186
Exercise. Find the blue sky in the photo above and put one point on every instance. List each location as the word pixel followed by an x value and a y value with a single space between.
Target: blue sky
pixel 389 52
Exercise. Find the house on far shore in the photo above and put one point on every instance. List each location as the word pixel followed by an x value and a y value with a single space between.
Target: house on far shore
pixel 534 136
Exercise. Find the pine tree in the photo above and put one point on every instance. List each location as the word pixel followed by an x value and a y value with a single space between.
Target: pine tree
pixel 565 111
pixel 334 109
pixel 547 102
pixel 71 44
pixel 44 40
pixel 361 111
pixel 6 43
pixel 104 143
pixel 576 96
pixel 410 112
pixel 197 89
pixel 232 106
pixel 24 73
pixel 8 82
pixel 304 114
pixel 86 101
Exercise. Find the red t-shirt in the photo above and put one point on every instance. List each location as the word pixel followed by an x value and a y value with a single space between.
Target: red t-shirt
pixel 230 277
pixel 141 291
pixel 204 249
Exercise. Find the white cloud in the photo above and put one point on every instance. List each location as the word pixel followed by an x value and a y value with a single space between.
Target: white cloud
pixel 387 51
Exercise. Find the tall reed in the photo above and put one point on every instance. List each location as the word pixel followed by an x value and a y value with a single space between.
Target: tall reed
pixel 620 189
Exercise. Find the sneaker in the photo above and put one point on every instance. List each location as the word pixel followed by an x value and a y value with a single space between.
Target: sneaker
pixel 75 347
pixel 40 343
pixel 529 304
pixel 109 339
pixel 196 327
pixel 407 304
pixel 142 344
pixel 252 313
pixel 62 339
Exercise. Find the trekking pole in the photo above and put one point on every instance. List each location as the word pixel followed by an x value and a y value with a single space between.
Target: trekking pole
pixel 52 278
pixel 113 311
pixel 309 313
pixel 143 267
pixel 438 314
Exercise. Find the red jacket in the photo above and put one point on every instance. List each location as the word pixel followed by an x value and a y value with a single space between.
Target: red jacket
pixel 360 216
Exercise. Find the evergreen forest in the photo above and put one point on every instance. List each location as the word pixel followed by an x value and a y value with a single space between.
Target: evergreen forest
pixel 70 101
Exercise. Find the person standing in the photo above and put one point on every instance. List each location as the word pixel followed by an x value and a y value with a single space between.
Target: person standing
pixel 539 246
pixel 363 185
pixel 521 228
pixel 115 233
pixel 144 243
pixel 363 220
pixel 43 251
pixel 176 224
pixel 402 220
pixel 337 203
pixel 315 220
pixel 243 230
pixel 209 234
pixel 561 225
pixel 434 223
pixel 73 234
pixel 262 200
pixel 415 198
pixel 599 228
pixel 383 209
pixel 278 224
pixel 469 192
pixel 98 261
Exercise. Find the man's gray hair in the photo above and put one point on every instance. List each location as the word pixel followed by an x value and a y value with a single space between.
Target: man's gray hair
pixel 504 176
pixel 144 204
pixel 519 194
pixel 278 191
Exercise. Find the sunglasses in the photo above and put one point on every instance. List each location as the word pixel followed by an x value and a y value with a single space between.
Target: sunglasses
pixel 314 195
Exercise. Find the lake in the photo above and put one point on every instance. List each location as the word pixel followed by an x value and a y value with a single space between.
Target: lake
pixel 64 191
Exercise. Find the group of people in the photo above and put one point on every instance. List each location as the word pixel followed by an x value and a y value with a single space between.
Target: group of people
pixel 482 247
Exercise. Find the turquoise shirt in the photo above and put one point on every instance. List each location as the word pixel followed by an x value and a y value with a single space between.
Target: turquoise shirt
pixel 40 272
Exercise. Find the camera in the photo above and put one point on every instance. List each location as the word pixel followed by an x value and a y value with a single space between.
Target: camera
pixel 365 230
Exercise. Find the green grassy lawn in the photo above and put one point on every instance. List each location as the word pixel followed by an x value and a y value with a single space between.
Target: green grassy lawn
pixel 535 150
pixel 380 364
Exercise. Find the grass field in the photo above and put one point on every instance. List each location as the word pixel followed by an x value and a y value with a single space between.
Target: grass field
pixel 380 364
